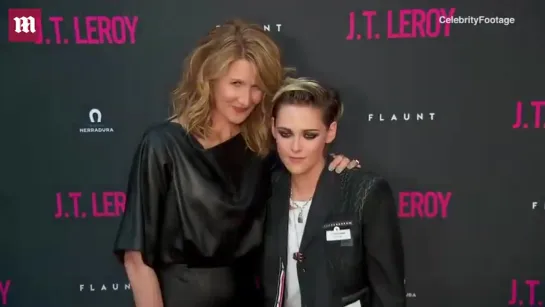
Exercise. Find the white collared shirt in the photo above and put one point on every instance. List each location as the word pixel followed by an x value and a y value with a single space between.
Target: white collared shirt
pixel 295 234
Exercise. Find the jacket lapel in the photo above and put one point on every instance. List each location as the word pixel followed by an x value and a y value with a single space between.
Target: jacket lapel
pixel 280 205
pixel 324 199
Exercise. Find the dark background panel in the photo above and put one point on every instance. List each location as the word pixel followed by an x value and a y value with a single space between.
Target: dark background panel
pixel 470 80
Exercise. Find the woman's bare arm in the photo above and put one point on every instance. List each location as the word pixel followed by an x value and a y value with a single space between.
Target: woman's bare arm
pixel 144 282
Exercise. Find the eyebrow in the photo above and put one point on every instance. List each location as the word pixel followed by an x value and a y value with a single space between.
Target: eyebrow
pixel 306 130
pixel 241 81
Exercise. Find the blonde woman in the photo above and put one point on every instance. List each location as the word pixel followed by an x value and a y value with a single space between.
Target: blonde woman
pixel 198 185
pixel 330 240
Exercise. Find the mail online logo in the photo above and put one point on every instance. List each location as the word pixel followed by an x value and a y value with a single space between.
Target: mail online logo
pixel 423 205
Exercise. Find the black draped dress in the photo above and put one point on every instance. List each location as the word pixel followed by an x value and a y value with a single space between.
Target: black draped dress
pixel 197 216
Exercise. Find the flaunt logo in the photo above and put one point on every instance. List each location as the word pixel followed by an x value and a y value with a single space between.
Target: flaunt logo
pixel 424 205
pixel 524 293
pixel 400 117
pixel 528 117
pixel 95 123
pixel 104 287
pixel 76 205
pixel 402 24
pixel 269 27
pixel 538 205
pixel 4 290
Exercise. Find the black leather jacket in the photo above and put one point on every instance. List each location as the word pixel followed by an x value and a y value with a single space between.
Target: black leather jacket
pixel 351 249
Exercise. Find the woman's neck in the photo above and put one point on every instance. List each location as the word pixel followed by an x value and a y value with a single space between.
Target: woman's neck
pixel 303 185
pixel 221 129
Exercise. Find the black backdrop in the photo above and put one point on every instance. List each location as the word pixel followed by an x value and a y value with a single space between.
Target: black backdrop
pixel 470 182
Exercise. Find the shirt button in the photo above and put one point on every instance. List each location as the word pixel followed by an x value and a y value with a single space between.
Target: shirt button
pixel 304 270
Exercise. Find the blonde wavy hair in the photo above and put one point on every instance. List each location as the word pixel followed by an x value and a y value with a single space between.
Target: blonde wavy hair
pixel 309 92
pixel 234 40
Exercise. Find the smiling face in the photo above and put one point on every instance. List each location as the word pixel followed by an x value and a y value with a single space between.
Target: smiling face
pixel 235 93
pixel 301 137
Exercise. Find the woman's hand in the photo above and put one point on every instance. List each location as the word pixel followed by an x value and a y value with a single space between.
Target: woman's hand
pixel 340 163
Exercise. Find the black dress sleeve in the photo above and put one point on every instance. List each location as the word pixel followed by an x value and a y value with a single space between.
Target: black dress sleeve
pixel 147 186
pixel 383 245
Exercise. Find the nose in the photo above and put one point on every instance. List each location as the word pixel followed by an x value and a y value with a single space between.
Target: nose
pixel 245 99
pixel 296 145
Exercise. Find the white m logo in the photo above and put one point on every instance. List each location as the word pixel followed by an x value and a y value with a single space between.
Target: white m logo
pixel 25 24
pixel 92 114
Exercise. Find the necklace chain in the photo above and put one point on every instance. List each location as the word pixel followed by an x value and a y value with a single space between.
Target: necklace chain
pixel 300 207
pixel 299 221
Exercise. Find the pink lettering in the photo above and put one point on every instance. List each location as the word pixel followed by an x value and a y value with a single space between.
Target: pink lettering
pixel 516 299
pixel 514 293
pixel 4 289
pixel 77 33
pixel 106 30
pixel 131 26
pixel 74 208
pixel 75 201
pixel 424 205
pixel 433 26
pixel 369 15
pixel 91 29
pixel 59 212
pixel 120 200
pixel 537 112
pixel 351 26
pixel 112 205
pixel 102 204
pixel 118 30
pixel 56 20
pixel 532 291
pixel 413 23
pixel 403 23
pixel 519 116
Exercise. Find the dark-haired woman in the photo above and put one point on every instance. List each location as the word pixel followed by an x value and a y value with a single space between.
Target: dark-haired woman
pixel 330 240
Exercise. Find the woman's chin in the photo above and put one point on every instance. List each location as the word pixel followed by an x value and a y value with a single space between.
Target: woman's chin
pixel 296 169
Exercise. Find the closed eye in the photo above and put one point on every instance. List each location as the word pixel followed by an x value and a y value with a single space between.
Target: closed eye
pixel 284 134
pixel 310 136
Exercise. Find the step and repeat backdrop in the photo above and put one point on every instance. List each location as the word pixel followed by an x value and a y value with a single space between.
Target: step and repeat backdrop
pixel 443 98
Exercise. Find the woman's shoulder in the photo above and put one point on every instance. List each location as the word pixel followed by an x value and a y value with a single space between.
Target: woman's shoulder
pixel 361 178
pixel 162 134
pixel 162 128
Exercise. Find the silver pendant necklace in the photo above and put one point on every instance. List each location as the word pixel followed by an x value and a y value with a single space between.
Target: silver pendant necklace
pixel 300 207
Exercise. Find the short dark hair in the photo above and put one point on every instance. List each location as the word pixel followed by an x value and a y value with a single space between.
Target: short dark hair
pixel 309 92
